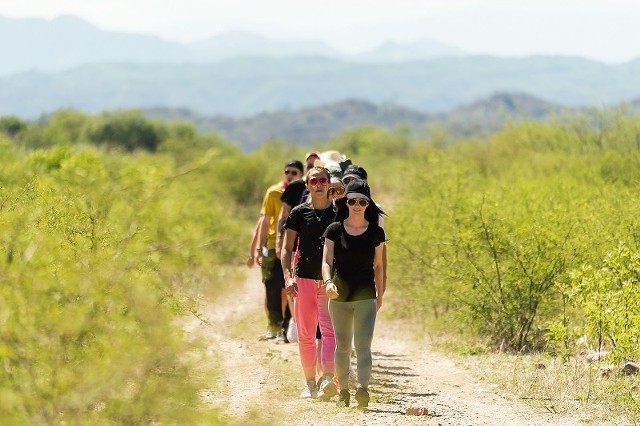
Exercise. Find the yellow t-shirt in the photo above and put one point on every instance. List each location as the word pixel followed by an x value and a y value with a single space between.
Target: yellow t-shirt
pixel 271 206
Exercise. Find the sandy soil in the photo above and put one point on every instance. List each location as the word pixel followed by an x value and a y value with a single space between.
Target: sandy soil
pixel 260 380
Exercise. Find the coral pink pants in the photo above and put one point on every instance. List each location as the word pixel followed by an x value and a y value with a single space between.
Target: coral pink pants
pixel 311 309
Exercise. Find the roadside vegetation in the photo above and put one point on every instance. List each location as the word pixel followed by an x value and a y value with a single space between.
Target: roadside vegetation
pixel 521 248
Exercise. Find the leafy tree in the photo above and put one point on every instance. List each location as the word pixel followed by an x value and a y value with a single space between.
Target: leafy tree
pixel 12 126
pixel 128 130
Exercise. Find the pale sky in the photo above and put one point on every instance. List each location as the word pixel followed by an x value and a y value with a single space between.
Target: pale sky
pixel 605 30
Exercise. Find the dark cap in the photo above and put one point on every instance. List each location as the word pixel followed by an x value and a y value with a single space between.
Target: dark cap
pixel 358 188
pixel 294 163
pixel 355 171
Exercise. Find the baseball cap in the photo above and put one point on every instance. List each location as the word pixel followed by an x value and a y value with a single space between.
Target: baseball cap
pixel 354 170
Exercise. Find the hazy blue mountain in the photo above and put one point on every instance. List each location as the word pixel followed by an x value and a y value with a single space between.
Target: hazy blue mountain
pixel 320 123
pixel 402 52
pixel 66 42
pixel 247 86
pixel 302 126
pixel 236 44
pixel 490 114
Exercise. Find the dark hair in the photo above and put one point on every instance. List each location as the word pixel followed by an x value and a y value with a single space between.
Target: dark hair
pixel 294 163
pixel 320 169
pixel 371 214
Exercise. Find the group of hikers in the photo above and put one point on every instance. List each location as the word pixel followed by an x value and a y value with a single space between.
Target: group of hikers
pixel 320 243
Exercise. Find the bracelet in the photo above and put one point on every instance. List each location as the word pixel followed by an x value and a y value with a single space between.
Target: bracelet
pixel 328 281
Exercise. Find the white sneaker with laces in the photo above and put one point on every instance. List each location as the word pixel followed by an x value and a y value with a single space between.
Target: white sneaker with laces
pixel 327 388
pixel 309 390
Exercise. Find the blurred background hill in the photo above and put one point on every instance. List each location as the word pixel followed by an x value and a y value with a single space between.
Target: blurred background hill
pixel 250 88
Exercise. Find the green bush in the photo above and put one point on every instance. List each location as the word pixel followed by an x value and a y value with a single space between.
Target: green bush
pixel 97 257
pixel 608 298
pixel 12 126
pixel 128 130
pixel 485 234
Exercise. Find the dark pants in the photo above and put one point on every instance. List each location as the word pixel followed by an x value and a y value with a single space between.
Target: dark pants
pixel 273 279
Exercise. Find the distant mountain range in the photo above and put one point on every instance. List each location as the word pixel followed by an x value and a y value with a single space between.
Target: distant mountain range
pixel 321 123
pixel 68 42
pixel 68 63
pixel 244 87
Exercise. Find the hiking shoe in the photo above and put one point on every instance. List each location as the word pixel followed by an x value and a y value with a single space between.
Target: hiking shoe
pixel 269 335
pixel 343 398
pixel 327 388
pixel 281 337
pixel 309 390
pixel 362 396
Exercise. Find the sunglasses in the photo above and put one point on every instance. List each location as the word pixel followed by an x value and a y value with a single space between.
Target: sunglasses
pixel 360 201
pixel 291 172
pixel 346 180
pixel 315 181
pixel 338 190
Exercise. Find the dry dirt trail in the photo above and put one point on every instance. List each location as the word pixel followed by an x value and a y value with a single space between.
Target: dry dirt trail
pixel 261 380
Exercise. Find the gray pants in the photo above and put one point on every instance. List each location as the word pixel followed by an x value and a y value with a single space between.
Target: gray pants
pixel 353 321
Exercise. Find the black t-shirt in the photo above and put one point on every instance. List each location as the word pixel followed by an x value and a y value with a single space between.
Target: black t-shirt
pixel 353 257
pixel 310 225
pixel 292 194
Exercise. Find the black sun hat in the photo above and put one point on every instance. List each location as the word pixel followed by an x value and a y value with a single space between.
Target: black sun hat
pixel 358 188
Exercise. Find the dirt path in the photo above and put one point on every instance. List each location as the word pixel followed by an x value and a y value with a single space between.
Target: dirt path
pixel 260 381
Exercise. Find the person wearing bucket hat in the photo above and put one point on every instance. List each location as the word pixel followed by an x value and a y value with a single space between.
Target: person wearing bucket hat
pixel 353 172
pixel 353 276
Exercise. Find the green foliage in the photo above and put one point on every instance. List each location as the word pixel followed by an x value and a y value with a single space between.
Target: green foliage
pixel 11 126
pixel 526 240
pixel 488 232
pixel 608 297
pixel 97 256
pixel 66 127
pixel 370 142
pixel 128 130
pixel 509 256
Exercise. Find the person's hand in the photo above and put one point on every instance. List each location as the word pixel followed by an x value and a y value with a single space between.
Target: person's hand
pixel 331 289
pixel 290 287
pixel 250 261
pixel 259 258
pixel 378 303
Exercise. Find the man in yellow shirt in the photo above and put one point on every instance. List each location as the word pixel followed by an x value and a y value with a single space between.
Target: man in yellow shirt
pixel 278 312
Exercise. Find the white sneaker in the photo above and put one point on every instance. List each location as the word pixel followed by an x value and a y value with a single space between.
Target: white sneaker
pixel 269 334
pixel 309 390
pixel 327 388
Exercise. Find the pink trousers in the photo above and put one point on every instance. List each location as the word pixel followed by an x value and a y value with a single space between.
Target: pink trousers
pixel 311 309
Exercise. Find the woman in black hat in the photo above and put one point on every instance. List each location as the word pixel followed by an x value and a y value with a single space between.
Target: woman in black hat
pixel 353 275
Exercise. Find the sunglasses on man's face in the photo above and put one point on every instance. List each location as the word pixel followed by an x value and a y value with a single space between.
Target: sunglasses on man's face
pixel 315 181
pixel 291 172
pixel 346 180
pixel 359 201
pixel 339 190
